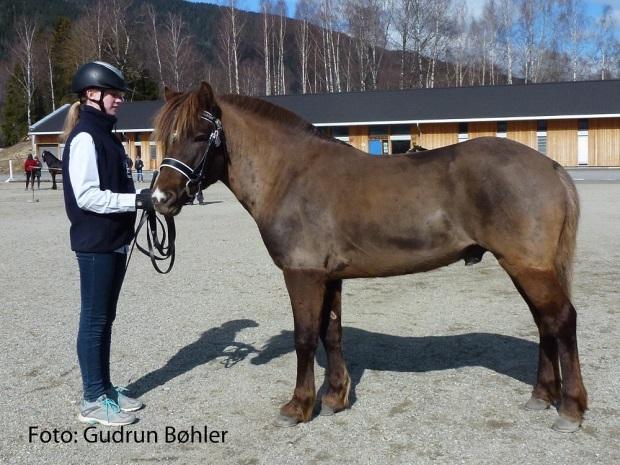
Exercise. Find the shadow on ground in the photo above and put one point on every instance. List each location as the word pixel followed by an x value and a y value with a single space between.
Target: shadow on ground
pixel 506 355
pixel 363 350
pixel 213 343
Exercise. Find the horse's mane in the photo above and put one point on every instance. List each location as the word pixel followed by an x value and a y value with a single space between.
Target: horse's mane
pixel 179 116
pixel 272 112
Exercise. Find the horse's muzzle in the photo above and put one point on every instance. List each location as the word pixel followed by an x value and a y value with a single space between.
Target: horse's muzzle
pixel 166 203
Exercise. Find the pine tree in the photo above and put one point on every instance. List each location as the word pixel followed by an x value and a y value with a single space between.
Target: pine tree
pixel 14 124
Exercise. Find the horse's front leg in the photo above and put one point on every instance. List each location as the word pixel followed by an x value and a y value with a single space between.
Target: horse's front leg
pixel 338 380
pixel 306 290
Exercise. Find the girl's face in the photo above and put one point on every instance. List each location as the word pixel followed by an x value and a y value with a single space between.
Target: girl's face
pixel 112 99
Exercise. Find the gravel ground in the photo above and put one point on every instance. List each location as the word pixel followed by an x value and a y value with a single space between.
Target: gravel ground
pixel 441 362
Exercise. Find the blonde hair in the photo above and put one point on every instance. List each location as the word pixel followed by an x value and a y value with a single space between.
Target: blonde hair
pixel 71 120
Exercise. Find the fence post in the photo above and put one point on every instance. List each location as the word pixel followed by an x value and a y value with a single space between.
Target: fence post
pixel 10 171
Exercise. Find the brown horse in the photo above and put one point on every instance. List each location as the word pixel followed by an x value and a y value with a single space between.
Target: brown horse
pixel 328 212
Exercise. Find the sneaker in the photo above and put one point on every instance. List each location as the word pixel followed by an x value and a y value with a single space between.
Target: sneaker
pixel 126 403
pixel 104 411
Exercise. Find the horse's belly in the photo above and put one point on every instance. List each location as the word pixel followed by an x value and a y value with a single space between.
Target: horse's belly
pixel 394 262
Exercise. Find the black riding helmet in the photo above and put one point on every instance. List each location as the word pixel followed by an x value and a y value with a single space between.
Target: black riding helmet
pixel 99 75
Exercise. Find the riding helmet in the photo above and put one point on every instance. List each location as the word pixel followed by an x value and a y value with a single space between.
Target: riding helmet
pixel 98 74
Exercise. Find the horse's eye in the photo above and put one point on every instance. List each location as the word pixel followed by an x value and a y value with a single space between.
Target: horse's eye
pixel 201 138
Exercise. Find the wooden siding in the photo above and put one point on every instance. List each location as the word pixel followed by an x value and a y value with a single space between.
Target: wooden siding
pixel 524 132
pixel 47 139
pixel 562 141
pixel 358 137
pixel 432 136
pixel 604 141
pixel 482 129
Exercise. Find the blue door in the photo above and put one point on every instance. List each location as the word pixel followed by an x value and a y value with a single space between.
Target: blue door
pixel 374 147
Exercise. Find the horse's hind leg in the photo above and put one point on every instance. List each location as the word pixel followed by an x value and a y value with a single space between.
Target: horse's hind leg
pixel 548 381
pixel 339 382
pixel 557 321
pixel 307 291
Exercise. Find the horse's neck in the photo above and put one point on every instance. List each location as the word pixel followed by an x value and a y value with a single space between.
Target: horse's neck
pixel 260 159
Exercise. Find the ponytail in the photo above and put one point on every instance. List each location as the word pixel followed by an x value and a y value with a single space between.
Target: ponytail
pixel 71 120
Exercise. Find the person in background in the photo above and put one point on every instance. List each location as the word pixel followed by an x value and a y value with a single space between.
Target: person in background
pixel 36 172
pixel 28 165
pixel 101 203
pixel 139 166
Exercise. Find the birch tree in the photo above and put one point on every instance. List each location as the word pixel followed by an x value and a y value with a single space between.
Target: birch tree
pixel 23 52
pixel 302 40
pixel 154 29
pixel 265 9
pixel 606 43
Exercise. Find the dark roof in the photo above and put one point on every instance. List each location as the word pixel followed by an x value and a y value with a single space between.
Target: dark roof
pixel 132 116
pixel 563 99
pixel 458 103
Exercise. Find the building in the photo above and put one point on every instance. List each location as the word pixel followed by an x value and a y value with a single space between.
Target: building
pixel 575 123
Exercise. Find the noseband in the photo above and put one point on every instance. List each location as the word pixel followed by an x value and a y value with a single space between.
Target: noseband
pixel 196 176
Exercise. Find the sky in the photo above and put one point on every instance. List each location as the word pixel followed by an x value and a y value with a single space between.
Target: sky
pixel 593 7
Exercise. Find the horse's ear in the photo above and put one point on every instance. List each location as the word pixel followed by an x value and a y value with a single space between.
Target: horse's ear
pixel 168 93
pixel 206 96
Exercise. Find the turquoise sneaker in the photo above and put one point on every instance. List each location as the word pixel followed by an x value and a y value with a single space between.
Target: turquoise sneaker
pixel 104 411
pixel 126 403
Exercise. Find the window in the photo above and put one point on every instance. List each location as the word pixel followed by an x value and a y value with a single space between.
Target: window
pixel 502 129
pixel 463 132
pixel 583 125
pixel 153 150
pixel 400 130
pixel 541 136
pixel 379 130
pixel 340 131
pixel 542 142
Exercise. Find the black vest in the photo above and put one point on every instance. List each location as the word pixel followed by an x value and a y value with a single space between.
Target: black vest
pixel 96 232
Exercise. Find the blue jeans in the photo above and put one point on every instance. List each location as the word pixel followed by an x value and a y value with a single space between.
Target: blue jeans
pixel 101 278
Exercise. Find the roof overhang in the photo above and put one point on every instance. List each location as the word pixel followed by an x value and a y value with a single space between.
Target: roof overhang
pixel 466 120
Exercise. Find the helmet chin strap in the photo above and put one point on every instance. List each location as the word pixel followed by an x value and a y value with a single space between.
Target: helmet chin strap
pixel 100 101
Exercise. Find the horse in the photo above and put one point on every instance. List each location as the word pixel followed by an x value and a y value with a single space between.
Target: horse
pixel 328 212
pixel 54 166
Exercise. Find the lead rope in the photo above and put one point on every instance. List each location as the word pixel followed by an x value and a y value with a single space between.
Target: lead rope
pixel 158 250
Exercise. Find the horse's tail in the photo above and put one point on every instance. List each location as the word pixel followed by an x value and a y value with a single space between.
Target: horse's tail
pixel 568 235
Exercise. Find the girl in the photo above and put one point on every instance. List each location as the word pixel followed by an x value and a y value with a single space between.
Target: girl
pixel 100 201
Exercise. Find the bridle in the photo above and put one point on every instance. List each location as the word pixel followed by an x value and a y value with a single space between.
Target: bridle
pixel 161 250
pixel 195 176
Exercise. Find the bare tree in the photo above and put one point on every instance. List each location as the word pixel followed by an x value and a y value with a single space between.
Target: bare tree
pixel 233 29
pixel 505 34
pixel 178 52
pixel 119 39
pixel 402 25
pixel 573 20
pixel 152 20
pixel 23 52
pixel 266 7
pixel 441 28
pixel 281 34
pixel 302 14
pixel 606 43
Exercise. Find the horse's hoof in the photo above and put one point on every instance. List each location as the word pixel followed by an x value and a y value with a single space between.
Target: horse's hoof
pixel 536 404
pixel 564 425
pixel 283 421
pixel 327 411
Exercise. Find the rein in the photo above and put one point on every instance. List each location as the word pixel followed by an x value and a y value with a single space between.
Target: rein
pixel 158 250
